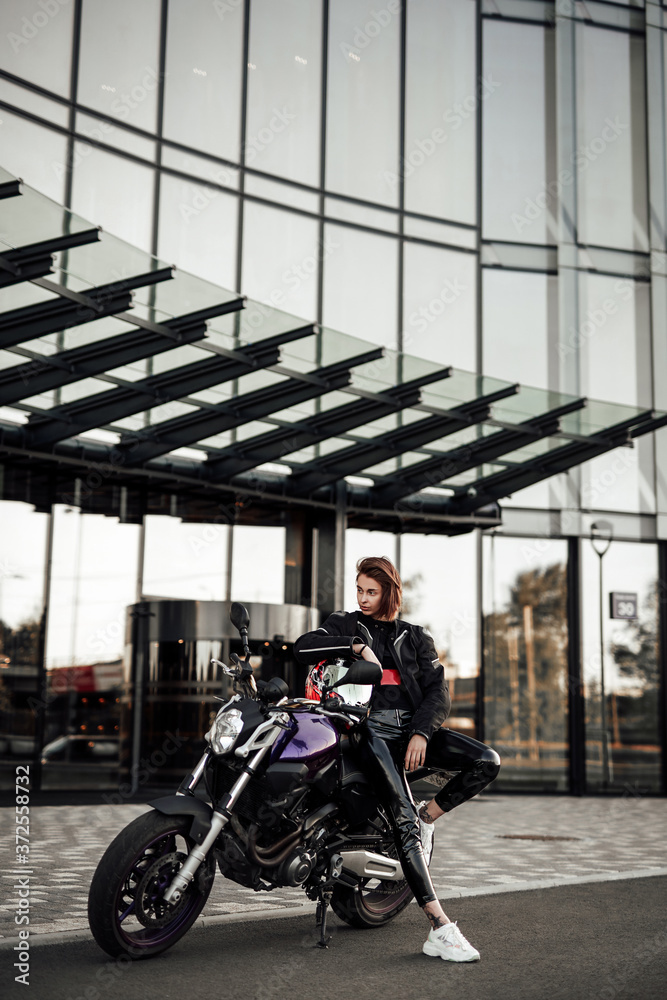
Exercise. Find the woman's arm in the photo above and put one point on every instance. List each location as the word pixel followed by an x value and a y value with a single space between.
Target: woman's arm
pixel 330 639
pixel 436 704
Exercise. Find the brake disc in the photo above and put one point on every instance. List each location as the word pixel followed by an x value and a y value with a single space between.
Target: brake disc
pixel 149 907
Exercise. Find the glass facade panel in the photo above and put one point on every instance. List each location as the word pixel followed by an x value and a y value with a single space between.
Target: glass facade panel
pixel 439 305
pixel 258 564
pixel 93 579
pixel 36 42
pixel 125 88
pixel 360 294
pixel 198 229
pixel 281 259
pixel 363 99
pixel 610 157
pixel 518 162
pixel 204 72
pixel 22 568
pixel 445 601
pixel 516 317
pixel 525 660
pixel 620 667
pixel 440 110
pixel 284 83
pixel 100 193
pixel 185 560
pixel 37 155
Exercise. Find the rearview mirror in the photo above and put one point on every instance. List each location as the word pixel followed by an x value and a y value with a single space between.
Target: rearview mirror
pixel 239 616
pixel 361 672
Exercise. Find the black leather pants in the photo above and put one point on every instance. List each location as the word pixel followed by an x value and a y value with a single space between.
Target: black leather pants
pixel 382 753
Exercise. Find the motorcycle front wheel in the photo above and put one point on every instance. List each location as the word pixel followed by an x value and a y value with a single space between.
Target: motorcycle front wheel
pixel 373 902
pixel 126 912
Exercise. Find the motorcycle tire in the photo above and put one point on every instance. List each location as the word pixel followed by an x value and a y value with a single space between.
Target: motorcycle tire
pixel 130 879
pixel 372 903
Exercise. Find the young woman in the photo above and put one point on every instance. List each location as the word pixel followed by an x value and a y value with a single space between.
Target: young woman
pixel 403 730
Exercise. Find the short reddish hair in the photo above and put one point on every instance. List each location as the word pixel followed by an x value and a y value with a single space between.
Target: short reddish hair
pixel 382 569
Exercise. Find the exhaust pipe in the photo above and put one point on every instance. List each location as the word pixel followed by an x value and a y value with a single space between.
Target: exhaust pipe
pixel 369 865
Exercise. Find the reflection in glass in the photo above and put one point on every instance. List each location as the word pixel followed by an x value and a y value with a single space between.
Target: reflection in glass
pixel 363 100
pixel 204 70
pixel 284 76
pixel 630 735
pixel 525 660
pixel 440 112
pixel 21 602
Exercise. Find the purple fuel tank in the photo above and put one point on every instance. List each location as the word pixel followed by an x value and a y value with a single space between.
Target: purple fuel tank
pixel 311 740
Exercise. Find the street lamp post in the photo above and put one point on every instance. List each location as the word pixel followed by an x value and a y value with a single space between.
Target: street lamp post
pixel 602 533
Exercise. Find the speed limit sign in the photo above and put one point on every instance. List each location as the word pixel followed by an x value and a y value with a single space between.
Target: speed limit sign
pixel 622 605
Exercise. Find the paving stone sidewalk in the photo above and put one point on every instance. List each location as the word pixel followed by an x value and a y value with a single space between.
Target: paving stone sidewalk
pixel 494 840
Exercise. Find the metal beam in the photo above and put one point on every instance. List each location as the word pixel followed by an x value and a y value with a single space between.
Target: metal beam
pixel 72 308
pixel 347 461
pixel 504 483
pixel 36 259
pixel 469 456
pixel 277 444
pixel 51 371
pixel 190 428
pixel 108 407
pixel 11 188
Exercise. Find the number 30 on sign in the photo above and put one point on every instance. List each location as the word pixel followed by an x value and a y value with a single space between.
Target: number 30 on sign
pixel 622 605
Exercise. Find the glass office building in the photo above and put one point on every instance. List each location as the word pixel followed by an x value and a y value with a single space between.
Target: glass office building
pixel 482 183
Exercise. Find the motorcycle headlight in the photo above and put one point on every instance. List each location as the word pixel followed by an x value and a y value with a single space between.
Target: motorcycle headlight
pixel 225 730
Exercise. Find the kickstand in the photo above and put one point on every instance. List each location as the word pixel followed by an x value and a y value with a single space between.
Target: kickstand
pixel 321 917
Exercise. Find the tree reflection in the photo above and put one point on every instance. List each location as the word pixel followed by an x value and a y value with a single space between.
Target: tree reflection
pixel 525 649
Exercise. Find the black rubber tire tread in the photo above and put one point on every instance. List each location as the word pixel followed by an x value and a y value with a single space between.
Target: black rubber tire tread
pixel 110 875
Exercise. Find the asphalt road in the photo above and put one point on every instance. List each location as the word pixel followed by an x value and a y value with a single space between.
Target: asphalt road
pixel 596 941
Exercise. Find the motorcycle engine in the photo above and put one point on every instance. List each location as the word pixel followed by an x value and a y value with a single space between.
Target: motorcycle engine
pixel 296 868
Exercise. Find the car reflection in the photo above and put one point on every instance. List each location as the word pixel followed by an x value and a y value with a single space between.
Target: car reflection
pixel 81 761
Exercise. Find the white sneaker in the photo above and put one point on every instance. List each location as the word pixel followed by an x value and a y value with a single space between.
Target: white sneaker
pixel 447 942
pixel 426 831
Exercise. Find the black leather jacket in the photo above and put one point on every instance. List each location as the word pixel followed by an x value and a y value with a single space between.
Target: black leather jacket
pixel 421 672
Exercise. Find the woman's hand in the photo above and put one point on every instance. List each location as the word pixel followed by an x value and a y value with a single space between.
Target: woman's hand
pixel 416 752
pixel 366 653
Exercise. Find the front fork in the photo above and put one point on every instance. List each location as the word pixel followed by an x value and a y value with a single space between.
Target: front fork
pixel 219 820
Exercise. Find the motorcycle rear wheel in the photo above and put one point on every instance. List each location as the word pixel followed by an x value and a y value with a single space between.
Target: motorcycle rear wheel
pixel 372 903
pixel 134 871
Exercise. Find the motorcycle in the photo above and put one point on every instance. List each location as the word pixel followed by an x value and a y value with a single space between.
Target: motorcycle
pixel 285 804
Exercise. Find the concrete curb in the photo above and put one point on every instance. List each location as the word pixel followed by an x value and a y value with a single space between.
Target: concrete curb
pixel 274 913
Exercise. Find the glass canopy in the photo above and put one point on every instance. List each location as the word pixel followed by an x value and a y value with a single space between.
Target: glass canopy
pixel 111 358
